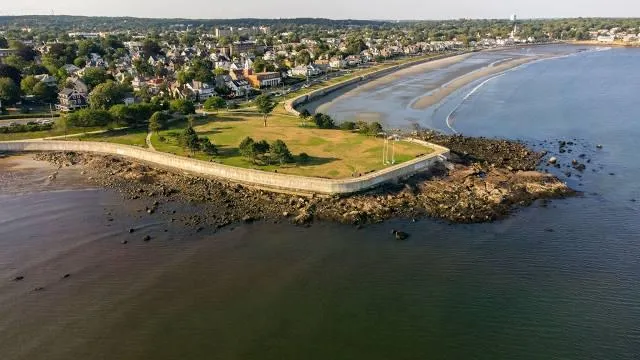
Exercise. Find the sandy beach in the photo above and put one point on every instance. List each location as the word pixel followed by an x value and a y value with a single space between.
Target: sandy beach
pixel 446 89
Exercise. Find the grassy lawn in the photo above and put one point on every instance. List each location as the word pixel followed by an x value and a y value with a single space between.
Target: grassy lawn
pixel 48 133
pixel 333 153
pixel 134 137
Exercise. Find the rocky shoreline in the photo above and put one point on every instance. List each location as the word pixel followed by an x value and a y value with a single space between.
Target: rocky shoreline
pixel 485 181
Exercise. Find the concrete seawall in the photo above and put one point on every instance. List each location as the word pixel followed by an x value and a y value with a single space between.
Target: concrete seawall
pixel 282 182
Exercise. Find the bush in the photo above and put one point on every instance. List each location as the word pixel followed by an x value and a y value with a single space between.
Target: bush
pixel 89 117
pixel 304 158
pixel 22 128
pixel 323 121
pixel 280 152
pixel 348 125
pixel 207 147
pixel 181 106
pixel 215 103
pixel 26 116
pixel 370 129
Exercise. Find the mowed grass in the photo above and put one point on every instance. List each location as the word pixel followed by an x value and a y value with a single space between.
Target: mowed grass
pixel 333 153
pixel 135 137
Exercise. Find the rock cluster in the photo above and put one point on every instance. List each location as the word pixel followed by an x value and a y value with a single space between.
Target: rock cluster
pixel 489 179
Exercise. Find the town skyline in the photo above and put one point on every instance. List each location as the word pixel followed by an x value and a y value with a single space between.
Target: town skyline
pixel 331 9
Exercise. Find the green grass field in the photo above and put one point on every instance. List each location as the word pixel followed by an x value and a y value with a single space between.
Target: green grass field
pixel 333 153
pixel 134 137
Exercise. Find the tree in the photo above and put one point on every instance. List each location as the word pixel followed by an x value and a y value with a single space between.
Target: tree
pixel 157 121
pixel 280 152
pixel 246 148
pixel 189 139
pixel 80 62
pixel 11 72
pixel 3 43
pixel 89 117
pixel 323 121
pixel 303 58
pixel 150 48
pixel 219 71
pixel 215 103
pixel 304 115
pixel 207 147
pixel 182 106
pixel 44 92
pixel 9 91
pixel 28 83
pixel 107 94
pixel 94 76
pixel 265 105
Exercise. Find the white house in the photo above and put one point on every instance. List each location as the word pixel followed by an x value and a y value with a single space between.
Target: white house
pixel 238 87
pixel 201 90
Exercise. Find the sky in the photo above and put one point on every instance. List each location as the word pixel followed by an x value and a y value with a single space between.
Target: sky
pixel 333 9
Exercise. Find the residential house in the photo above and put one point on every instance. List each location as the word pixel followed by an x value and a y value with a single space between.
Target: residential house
pixel 238 87
pixel 47 79
pixel 201 91
pixel 70 100
pixel 70 69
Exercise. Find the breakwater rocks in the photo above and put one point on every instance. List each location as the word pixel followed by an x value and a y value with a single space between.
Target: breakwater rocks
pixel 487 181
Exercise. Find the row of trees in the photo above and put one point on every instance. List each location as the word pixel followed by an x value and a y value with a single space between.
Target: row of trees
pixel 261 152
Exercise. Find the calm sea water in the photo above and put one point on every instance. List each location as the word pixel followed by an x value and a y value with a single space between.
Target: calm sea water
pixel 506 290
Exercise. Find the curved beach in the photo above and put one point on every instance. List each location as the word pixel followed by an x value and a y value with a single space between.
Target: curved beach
pixel 399 100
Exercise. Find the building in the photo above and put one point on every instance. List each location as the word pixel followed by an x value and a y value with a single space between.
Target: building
pixel 263 79
pixel 202 91
pixel 222 32
pixel 238 87
pixel 238 47
pixel 7 52
pixel 70 100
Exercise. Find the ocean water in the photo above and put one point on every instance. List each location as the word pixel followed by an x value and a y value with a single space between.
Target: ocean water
pixel 555 282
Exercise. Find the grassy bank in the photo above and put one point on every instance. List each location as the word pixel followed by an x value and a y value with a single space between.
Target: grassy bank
pixel 333 153
pixel 134 136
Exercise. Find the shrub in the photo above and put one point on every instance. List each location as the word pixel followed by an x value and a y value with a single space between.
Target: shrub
pixel 89 117
pixel 181 106
pixel 21 128
pixel 207 147
pixel 348 125
pixel 280 152
pixel 215 103
pixel 323 121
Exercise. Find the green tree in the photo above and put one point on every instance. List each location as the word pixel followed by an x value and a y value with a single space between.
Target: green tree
pixel 207 147
pixel 89 117
pixel 323 121
pixel 265 105
pixel 3 43
pixel 80 62
pixel 304 115
pixel 107 94
pixel 246 148
pixel 157 121
pixel 44 92
pixel 215 103
pixel 280 152
pixel 189 139
pixel 28 83
pixel 182 106
pixel 219 71
pixel 11 72
pixel 94 76
pixel 9 91
pixel 303 58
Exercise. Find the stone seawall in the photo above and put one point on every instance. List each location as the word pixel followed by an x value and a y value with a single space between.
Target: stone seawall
pixel 290 105
pixel 283 182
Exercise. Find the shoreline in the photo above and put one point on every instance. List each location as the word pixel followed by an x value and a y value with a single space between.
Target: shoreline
pixel 466 190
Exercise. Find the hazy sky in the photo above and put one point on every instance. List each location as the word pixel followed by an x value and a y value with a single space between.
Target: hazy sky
pixel 335 9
